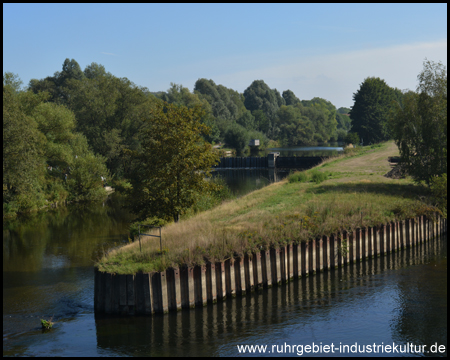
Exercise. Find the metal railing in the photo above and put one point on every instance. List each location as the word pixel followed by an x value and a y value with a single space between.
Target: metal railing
pixel 149 226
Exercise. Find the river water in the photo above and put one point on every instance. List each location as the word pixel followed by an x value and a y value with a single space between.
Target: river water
pixel 48 272
pixel 242 181
pixel 329 149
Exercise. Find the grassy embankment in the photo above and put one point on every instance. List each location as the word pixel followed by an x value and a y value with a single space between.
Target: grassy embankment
pixel 350 192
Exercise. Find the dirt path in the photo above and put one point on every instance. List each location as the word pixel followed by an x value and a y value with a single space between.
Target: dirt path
pixel 375 163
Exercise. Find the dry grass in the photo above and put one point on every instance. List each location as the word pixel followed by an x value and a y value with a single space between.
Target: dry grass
pixel 278 214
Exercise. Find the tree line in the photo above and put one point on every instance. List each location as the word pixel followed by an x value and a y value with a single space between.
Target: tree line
pixel 64 133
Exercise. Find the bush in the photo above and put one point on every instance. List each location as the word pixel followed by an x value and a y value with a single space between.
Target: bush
pixel 298 176
pixel 340 134
pixel 56 191
pixel 121 185
pixel 237 137
pixel 210 200
pixel 438 187
pixel 318 176
pixel 223 192
pixel 351 138
pixel 10 209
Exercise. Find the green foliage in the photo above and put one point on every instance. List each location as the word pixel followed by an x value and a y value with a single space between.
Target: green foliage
pixel 58 85
pixel 295 128
pixel 344 248
pixel 94 70
pixel 372 104
pixel 318 176
pixel 343 111
pixel 41 147
pixel 343 122
pixel 226 104
pixel 322 115
pixel 247 120
pixel 237 137
pixel 313 175
pixel 262 122
pixel 181 96
pixel 47 324
pixel 419 125
pixel 13 81
pixel 351 138
pixel 147 223
pixel 290 98
pixel 23 163
pixel 438 187
pixel 210 200
pixel 174 160
pixel 307 122
pixel 84 179
pixel 263 139
pixel 340 134
pixel 298 176
pixel 121 185
pixel 108 111
pixel 258 96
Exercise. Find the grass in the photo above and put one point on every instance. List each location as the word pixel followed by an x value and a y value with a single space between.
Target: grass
pixel 342 193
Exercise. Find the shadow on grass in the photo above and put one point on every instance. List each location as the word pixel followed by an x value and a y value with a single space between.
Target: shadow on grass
pixel 401 190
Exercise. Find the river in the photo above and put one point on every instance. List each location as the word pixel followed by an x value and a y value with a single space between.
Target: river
pixel 242 181
pixel 48 272
pixel 329 149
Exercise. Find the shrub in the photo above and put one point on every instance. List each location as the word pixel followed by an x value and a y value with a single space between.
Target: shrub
pixel 121 185
pixel 298 176
pixel 438 187
pixel 318 176
pixel 351 138
pixel 237 137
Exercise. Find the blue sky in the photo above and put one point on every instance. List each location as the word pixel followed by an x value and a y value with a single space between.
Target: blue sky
pixel 324 50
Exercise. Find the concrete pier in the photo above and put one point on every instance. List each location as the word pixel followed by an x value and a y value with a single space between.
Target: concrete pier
pixel 187 287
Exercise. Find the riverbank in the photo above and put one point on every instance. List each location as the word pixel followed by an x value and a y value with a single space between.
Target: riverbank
pixel 354 194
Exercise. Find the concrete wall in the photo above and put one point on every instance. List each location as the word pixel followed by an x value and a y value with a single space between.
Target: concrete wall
pixel 176 289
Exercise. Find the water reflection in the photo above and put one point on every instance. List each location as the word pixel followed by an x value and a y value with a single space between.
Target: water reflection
pixel 48 260
pixel 48 271
pixel 330 149
pixel 243 181
pixel 379 300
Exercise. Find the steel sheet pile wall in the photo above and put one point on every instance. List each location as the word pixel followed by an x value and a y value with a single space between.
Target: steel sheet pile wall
pixel 176 289
pixel 289 162
pixel 242 163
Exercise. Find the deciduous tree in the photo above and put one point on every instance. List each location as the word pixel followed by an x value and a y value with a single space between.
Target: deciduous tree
pixel 173 163
pixel 295 128
pixel 372 104
pixel 237 137
pixel 290 98
pixel 23 165
pixel 419 124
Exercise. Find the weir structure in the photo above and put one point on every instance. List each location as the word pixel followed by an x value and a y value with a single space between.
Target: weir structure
pixel 272 160
pixel 189 287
